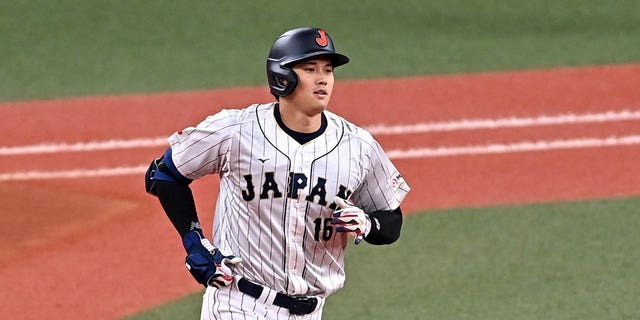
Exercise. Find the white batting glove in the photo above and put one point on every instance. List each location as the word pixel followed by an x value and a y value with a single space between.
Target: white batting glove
pixel 225 274
pixel 350 218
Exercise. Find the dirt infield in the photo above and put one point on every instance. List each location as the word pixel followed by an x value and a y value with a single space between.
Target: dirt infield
pixel 81 239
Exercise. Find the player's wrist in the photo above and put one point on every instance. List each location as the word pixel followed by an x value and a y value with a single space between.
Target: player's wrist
pixel 367 225
pixel 196 240
pixel 385 226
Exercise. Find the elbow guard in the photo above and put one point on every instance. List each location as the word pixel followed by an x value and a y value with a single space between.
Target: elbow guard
pixel 163 169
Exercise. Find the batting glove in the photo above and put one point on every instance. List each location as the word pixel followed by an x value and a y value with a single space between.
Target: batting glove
pixel 206 263
pixel 350 218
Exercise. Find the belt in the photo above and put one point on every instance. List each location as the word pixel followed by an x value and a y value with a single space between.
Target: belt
pixel 296 305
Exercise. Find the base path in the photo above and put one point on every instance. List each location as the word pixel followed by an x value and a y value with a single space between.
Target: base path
pixel 81 239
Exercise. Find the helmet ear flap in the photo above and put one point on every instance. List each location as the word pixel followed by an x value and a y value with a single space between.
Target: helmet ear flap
pixel 282 79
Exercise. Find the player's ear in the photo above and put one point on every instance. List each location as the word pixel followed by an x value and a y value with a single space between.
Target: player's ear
pixel 282 81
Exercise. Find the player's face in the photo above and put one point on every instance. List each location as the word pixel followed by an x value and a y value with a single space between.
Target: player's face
pixel 315 84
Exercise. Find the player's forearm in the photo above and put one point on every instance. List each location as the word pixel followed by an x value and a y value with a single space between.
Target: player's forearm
pixel 385 227
pixel 178 203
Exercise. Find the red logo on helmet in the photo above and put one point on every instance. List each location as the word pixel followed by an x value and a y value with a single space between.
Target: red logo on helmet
pixel 322 40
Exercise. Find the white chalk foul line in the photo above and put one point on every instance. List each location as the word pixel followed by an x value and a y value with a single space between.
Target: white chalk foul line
pixel 525 146
pixel 83 146
pixel 393 154
pixel 73 174
pixel 511 122
pixel 465 124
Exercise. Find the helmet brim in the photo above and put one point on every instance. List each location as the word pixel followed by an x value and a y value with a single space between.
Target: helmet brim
pixel 337 59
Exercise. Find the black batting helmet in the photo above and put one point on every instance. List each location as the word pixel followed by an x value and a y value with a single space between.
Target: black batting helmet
pixel 294 46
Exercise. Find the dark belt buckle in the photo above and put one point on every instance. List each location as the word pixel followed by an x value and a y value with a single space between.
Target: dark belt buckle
pixel 303 305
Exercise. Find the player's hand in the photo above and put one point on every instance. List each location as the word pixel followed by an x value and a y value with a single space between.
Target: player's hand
pixel 349 218
pixel 206 263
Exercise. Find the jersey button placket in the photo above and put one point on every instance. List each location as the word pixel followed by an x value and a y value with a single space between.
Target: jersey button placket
pixel 297 226
pixel 299 169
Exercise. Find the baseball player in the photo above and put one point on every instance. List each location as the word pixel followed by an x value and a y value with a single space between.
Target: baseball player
pixel 295 181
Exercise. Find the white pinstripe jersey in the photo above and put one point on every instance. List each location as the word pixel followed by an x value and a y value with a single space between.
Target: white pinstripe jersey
pixel 276 196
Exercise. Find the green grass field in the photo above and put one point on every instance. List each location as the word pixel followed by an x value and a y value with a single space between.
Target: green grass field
pixel 546 261
pixel 77 47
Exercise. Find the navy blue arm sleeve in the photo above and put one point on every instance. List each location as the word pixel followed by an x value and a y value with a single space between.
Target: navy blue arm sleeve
pixel 178 203
pixel 385 227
